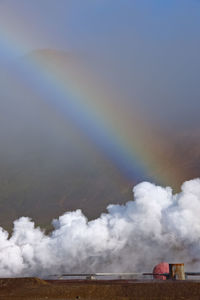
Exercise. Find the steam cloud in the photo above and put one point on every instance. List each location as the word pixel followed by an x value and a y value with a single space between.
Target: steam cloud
pixel 134 237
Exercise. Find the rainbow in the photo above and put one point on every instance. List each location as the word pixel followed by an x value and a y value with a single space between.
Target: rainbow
pixel 78 94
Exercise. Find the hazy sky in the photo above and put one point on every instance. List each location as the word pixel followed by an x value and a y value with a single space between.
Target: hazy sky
pixel 135 64
pixel 149 48
pixel 146 50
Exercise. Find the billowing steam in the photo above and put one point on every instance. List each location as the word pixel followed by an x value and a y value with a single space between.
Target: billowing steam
pixel 156 226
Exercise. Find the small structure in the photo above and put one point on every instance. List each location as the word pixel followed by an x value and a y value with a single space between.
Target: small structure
pixel 158 270
pixel 165 271
pixel 176 271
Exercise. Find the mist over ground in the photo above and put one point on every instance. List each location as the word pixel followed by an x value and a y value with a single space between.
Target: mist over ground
pixel 134 237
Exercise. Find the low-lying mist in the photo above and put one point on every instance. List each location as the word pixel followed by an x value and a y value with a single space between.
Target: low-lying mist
pixel 156 226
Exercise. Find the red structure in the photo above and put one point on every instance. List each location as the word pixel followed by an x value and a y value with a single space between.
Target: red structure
pixel 161 268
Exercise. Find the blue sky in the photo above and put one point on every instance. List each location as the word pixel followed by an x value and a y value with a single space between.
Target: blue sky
pixel 68 23
pixel 149 49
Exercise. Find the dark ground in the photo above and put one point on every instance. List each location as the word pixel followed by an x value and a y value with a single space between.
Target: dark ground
pixel 34 288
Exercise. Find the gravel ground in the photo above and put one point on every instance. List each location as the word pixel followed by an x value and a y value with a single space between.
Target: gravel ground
pixel 36 289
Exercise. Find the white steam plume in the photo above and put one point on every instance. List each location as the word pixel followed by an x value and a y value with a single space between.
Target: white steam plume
pixel 156 226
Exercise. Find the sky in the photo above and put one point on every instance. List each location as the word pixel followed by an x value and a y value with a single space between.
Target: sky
pixel 97 90
pixel 148 48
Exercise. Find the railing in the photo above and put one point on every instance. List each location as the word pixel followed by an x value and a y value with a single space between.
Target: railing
pixel 93 276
